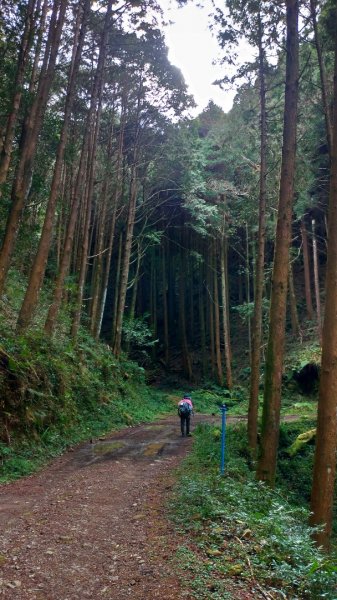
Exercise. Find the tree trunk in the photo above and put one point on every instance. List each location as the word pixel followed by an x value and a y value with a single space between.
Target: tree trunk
pixel 116 198
pixel 154 304
pixel 64 267
pixel 25 46
pixel 100 240
pixel 326 437
pixel 316 281
pixel 182 317
pixel 117 284
pixel 217 320
pixel 306 266
pixel 29 138
pixel 210 309
pixel 165 311
pixel 85 240
pixel 202 322
pixel 225 307
pixel 39 264
pixel 38 47
pixel 274 358
pixel 324 85
pixel 259 268
pixel 248 298
pixel 126 262
pixel 295 324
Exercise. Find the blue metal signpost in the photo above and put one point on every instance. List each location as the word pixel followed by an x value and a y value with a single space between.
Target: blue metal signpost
pixel 223 437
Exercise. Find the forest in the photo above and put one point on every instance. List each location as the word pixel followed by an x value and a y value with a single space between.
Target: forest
pixel 195 252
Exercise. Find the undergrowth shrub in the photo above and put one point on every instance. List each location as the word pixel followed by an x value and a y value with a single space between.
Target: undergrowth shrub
pixel 243 530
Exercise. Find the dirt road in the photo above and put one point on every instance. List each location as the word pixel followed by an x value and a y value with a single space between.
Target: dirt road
pixel 91 525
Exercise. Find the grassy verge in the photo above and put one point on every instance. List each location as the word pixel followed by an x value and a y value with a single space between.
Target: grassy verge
pixel 242 535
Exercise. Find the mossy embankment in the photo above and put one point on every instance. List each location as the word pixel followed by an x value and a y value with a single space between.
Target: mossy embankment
pixel 55 394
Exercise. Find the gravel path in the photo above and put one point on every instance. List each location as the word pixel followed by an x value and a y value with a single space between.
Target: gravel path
pixel 91 524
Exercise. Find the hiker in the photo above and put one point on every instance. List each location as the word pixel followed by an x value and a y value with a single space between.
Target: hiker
pixel 185 410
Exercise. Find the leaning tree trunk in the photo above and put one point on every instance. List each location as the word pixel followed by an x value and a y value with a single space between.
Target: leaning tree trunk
pixel 274 358
pixel 39 264
pixel 326 438
pixel 6 149
pixel 259 268
pixel 29 140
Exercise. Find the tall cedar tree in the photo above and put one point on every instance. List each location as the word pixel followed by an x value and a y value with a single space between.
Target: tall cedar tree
pixel 326 437
pixel 259 268
pixel 274 358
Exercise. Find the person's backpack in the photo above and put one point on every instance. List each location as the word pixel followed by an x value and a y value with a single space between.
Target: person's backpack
pixel 184 409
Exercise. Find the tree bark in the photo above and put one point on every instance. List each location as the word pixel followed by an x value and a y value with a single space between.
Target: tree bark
pixel 217 319
pixel 225 307
pixel 295 324
pixel 154 312
pixel 38 47
pixel 326 437
pixel 100 239
pixel 85 240
pixel 202 322
pixel 259 268
pixel 306 266
pixel 126 261
pixel 165 308
pixel 316 281
pixel 274 358
pixel 248 298
pixel 117 285
pixel 182 318
pixel 116 198
pixel 210 309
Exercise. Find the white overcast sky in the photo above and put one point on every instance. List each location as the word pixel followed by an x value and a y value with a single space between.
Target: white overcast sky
pixel 192 48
